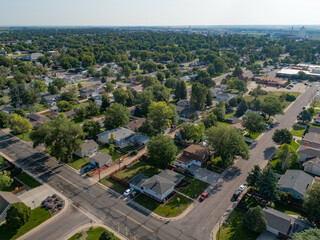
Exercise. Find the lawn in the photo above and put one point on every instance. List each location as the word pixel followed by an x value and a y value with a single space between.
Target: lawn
pixel 195 188
pixel 298 131
pixel 104 148
pixel 24 137
pixel 113 184
pixel 78 163
pixel 285 103
pixel 286 209
pixel 253 136
pixel 172 208
pixel 140 167
pixel 295 145
pixel 223 123
pixel 92 234
pixel 28 180
pixel 234 230
pixel 38 216
pixel 276 165
pixel 230 115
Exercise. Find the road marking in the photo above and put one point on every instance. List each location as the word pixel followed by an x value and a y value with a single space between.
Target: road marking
pixel 135 221
pixel 63 178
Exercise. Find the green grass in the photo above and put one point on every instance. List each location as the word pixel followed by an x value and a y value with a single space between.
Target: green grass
pixel 195 188
pixel 298 131
pixel 38 216
pixel 235 230
pixel 28 180
pixel 223 123
pixel 276 165
pixel 253 136
pixel 286 209
pixel 113 184
pixel 24 137
pixel 79 163
pixel 172 208
pixel 10 188
pixel 140 167
pixel 104 148
pixel 285 103
pixel 230 115
pixel 92 234
pixel 295 145
pixel 76 236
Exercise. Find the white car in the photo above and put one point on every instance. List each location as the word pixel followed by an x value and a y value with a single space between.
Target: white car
pixel 127 192
pixel 242 187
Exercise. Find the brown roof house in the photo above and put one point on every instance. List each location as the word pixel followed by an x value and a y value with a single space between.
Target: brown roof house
pixel 192 155
pixel 88 148
pixel 36 119
pixel 135 124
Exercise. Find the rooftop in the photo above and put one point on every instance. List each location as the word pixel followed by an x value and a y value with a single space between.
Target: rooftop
pixel 297 180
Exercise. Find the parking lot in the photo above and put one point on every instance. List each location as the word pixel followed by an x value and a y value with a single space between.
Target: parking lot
pixel 299 87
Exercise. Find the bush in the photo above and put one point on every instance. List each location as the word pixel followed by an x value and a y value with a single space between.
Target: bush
pixel 290 98
pixel 18 214
pixel 254 219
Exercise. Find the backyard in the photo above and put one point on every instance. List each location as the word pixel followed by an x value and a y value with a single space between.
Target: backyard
pixel 38 216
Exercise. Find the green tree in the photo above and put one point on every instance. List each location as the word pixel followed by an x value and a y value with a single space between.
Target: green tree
pixel 143 102
pixel 198 96
pixel 311 204
pixel 116 115
pixel 282 136
pixel 20 112
pixel 105 102
pixel 160 116
pixel 242 108
pixel 220 111
pixel 304 116
pixel 81 113
pixel 302 75
pixel 64 106
pixel 17 215
pixel 227 143
pixel 253 122
pixel 211 70
pixel 39 86
pixel 161 150
pixel 5 180
pixel 52 89
pixel 106 235
pixel 126 71
pixel 106 72
pixel 91 128
pixel 109 87
pixel 254 220
pixel 309 234
pixel 59 83
pixel 92 109
pixel 87 61
pixel 20 125
pixel 60 135
pixel 160 93
pixel 268 185
pixel 204 78
pixel 112 138
pixel 4 120
pixel 192 132
pixel 210 120
pixel 209 99
pixel 253 177
pixel 161 76
pixel 237 72
pixel 172 83
pixel 181 91
pixel 271 106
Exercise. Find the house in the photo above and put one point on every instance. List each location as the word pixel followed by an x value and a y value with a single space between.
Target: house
pixel 7 108
pixel 90 92
pixel 70 114
pixel 88 148
pixel 50 100
pixel 238 126
pixel 186 112
pixel 140 139
pixel 312 138
pixel 135 124
pixel 158 187
pixel 185 78
pixel 307 153
pixel 297 182
pixel 312 166
pixel 271 81
pixel 36 119
pixel 53 115
pixel 121 136
pixel 283 225
pixel 183 103
pixel 101 159
pixel 225 96
pixel 192 155
pixel 6 199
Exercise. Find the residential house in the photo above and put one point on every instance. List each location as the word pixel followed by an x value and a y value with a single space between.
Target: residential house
pixel 36 120
pixel 140 139
pixel 192 155
pixel 185 78
pixel 7 108
pixel 307 153
pixel 53 115
pixel 90 93
pixel 183 103
pixel 185 111
pixel 121 136
pixel 312 138
pixel 88 148
pixel 135 124
pixel 283 225
pixel 297 182
pixel 312 166
pixel 158 187
pixel 225 96
pixel 50 100
pixel 70 114
pixel 271 81
pixel 101 159
pixel 6 199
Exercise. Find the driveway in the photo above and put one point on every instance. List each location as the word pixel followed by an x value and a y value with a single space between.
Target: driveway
pixel 204 174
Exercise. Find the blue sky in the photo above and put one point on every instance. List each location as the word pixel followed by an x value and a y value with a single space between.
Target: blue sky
pixel 158 12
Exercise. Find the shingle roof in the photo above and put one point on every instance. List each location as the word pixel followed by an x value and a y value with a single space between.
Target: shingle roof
pixel 7 198
pixel 297 180
pixel 312 137
pixel 171 175
pixel 197 150
pixel 119 133
pixel 138 180
pixel 309 151
pixel 102 158
pixel 135 123
pixel 314 161
pixel 88 145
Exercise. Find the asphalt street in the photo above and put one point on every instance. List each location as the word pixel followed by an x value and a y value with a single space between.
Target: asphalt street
pixel 132 222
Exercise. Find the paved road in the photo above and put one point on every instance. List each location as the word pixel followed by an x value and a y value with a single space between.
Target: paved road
pixel 128 220
pixel 200 221
pixel 98 201
pixel 60 226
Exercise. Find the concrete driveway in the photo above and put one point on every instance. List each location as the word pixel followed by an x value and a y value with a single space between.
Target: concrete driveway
pixel 204 174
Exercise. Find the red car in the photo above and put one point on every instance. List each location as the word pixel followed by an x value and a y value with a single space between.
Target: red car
pixel 203 196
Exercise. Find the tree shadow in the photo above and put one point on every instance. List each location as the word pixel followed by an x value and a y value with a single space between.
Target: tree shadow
pixel 268 152
pixel 233 172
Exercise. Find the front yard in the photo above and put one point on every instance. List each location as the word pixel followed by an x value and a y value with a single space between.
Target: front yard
pixel 195 189
pixel 27 180
pixel 114 185
pixel 104 148
pixel 298 131
pixel 78 163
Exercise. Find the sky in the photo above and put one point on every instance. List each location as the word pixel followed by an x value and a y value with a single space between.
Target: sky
pixel 158 12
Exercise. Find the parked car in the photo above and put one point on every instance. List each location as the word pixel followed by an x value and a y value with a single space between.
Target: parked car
pixel 272 125
pixel 203 196
pixel 242 187
pixel 188 172
pixel 134 193
pixel 236 195
pixel 127 192
pixel 89 168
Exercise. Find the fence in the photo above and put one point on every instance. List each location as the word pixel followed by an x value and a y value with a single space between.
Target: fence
pixel 21 188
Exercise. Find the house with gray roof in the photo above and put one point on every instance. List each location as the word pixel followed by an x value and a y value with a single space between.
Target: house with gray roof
pixel 283 225
pixel 158 187
pixel 101 159
pixel 312 166
pixel 121 136
pixel 225 96
pixel 36 120
pixel 311 138
pixel 307 153
pixel 297 182
pixel 6 199
pixel 88 148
